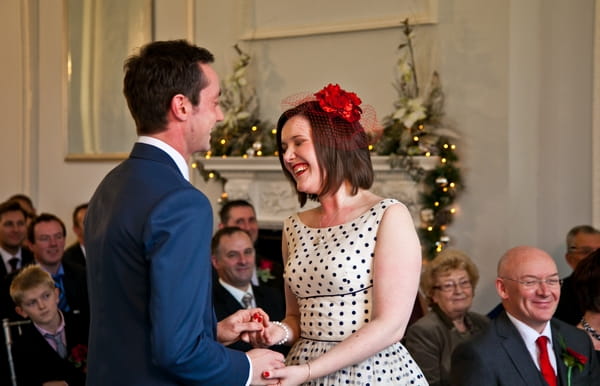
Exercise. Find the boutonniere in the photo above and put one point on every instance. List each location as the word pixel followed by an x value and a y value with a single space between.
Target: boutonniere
pixel 78 357
pixel 571 359
pixel 264 271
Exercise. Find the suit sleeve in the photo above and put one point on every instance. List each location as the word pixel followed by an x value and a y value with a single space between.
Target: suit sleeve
pixel 183 326
pixel 469 367
pixel 425 348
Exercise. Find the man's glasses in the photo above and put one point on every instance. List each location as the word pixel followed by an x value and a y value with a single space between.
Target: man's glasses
pixel 581 250
pixel 451 286
pixel 536 283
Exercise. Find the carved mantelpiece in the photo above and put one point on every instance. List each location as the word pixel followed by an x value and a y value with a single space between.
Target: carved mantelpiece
pixel 261 181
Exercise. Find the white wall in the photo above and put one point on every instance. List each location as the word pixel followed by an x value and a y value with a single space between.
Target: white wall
pixel 517 76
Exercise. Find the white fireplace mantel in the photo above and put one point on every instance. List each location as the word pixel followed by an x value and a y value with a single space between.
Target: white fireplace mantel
pixel 261 181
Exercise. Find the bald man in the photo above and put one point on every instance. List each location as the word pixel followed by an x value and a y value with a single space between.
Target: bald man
pixel 510 351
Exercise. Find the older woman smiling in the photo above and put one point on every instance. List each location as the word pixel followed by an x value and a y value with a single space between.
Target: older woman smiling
pixel 449 283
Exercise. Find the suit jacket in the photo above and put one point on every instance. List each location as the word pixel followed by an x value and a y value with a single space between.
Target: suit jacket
pixel 267 298
pixel 148 233
pixel 37 362
pixel 499 357
pixel 26 259
pixel 432 339
pixel 75 283
pixel 74 255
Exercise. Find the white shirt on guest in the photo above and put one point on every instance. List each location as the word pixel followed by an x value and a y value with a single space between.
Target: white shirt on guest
pixel 530 335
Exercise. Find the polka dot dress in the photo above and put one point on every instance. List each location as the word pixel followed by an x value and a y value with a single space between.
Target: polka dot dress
pixel 330 271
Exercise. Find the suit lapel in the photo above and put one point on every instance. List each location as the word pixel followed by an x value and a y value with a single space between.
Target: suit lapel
pixel 516 350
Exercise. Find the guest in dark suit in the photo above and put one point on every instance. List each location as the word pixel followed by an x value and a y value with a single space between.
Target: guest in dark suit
pixel 75 254
pixel 147 235
pixel 269 267
pixel 13 230
pixel 233 257
pixel 511 351
pixel 46 236
pixel 54 346
pixel 582 240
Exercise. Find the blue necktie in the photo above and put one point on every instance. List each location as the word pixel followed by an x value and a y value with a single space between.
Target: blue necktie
pixel 62 299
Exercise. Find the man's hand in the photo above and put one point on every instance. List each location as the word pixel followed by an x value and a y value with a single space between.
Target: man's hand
pixel 232 328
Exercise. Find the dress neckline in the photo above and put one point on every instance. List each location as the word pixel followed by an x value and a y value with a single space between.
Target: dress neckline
pixel 378 203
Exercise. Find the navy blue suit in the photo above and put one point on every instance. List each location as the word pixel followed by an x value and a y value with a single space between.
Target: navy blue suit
pixel 148 233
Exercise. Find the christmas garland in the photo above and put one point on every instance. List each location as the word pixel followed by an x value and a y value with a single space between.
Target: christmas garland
pixel 415 128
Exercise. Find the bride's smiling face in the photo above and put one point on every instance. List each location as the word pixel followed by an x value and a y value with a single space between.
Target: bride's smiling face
pixel 299 155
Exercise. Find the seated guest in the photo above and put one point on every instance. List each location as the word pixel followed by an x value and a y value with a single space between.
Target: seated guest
pixel 75 254
pixel 449 283
pixel 581 241
pixel 54 346
pixel 586 282
pixel 269 270
pixel 524 345
pixel 46 236
pixel 13 231
pixel 233 259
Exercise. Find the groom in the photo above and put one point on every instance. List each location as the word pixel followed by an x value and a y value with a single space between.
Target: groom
pixel 148 233
pixel 524 345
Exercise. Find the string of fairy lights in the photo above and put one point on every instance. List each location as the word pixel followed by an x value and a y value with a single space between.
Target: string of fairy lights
pixel 415 129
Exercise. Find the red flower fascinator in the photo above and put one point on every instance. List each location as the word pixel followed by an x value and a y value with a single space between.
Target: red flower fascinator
pixel 338 115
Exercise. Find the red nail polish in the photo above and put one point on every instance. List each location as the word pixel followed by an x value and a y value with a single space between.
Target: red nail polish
pixel 266 374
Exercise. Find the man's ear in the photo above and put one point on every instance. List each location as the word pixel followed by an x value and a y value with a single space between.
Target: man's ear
pixel 179 107
pixel 501 288
pixel 20 311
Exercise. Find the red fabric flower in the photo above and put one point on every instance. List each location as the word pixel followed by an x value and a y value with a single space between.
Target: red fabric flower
pixel 333 99
pixel 579 357
pixel 265 264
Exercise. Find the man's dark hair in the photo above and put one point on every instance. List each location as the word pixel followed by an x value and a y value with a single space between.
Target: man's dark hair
pixel 226 209
pixel 586 279
pixel 160 71
pixel 339 159
pixel 76 210
pixel 12 206
pixel 44 217
pixel 227 231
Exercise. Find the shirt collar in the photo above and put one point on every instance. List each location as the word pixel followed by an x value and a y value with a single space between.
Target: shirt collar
pixel 7 256
pixel 174 154
pixel 59 330
pixel 238 294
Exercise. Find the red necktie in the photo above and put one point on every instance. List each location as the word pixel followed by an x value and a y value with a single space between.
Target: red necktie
pixel 545 366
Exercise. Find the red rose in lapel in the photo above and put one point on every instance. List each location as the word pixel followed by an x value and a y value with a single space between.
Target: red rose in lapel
pixel 578 357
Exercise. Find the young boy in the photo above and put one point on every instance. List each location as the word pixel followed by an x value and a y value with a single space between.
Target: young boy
pixel 53 347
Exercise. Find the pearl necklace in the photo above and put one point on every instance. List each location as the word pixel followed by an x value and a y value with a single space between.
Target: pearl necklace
pixel 589 329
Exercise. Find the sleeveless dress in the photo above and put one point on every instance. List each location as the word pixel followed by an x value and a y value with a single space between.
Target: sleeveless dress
pixel 330 272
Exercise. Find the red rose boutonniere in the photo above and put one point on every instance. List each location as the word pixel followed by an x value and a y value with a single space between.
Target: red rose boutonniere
pixel 78 357
pixel 264 270
pixel 333 99
pixel 571 358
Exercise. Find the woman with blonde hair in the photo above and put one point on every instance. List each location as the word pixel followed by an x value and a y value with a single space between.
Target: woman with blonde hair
pixel 449 283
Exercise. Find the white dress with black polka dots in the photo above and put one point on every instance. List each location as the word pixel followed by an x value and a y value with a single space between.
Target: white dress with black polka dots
pixel 330 272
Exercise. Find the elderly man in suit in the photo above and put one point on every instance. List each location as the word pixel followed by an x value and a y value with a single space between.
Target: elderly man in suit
pixel 524 345
pixel 148 233
pixel 233 256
